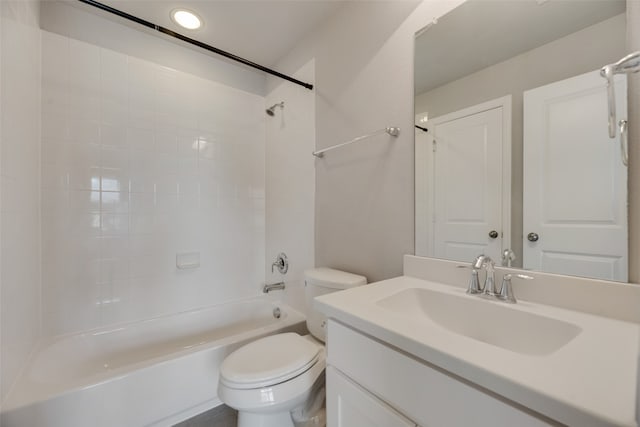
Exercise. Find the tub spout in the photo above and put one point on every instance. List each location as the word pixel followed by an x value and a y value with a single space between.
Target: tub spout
pixel 272 287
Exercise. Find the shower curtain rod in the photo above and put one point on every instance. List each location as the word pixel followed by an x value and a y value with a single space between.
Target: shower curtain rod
pixel 189 40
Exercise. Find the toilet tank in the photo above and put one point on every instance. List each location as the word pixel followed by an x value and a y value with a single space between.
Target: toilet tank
pixel 320 281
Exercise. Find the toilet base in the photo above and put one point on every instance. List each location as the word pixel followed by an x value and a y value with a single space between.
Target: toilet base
pixel 277 419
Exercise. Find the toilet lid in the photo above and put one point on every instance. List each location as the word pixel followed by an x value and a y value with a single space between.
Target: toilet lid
pixel 268 361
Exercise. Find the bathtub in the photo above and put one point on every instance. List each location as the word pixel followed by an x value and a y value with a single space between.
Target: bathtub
pixel 153 372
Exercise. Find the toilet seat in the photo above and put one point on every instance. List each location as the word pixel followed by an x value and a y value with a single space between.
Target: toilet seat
pixel 277 397
pixel 269 361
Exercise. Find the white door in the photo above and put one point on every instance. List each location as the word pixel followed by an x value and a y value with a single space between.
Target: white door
pixel 471 181
pixel 575 185
pixel 349 405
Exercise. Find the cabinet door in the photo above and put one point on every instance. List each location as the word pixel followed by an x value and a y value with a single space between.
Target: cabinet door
pixel 349 405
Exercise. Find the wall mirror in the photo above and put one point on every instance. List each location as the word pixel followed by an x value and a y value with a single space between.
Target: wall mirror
pixel 513 155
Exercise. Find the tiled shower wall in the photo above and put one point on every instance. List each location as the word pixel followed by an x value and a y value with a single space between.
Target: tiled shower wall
pixel 20 182
pixel 141 163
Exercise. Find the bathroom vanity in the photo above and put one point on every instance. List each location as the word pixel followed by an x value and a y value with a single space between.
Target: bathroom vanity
pixel 416 350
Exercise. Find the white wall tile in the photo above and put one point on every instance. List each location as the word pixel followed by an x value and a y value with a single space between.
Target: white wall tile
pixel 115 201
pixel 55 124
pixel 20 263
pixel 140 139
pixel 83 130
pixel 137 178
pixel 166 142
pixel 112 75
pixel 80 202
pixel 113 135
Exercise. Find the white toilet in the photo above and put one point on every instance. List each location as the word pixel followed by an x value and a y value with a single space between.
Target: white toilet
pixel 279 378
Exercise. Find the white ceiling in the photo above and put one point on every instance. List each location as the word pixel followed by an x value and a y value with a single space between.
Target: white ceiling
pixel 480 33
pixel 261 31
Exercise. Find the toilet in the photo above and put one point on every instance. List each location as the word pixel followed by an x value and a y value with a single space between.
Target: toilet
pixel 279 379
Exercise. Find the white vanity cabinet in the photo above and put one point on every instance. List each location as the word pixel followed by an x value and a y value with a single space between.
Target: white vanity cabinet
pixel 370 383
pixel 349 405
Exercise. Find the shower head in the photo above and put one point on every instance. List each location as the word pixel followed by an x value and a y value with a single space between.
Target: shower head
pixel 271 110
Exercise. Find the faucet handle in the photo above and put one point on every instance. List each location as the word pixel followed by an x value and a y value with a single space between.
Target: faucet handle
pixel 474 283
pixel 480 261
pixel 281 263
pixel 506 290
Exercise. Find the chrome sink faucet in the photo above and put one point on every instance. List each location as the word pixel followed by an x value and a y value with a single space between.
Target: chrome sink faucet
pixel 489 289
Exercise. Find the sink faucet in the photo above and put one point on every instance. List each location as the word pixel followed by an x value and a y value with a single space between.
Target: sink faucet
pixel 484 261
pixel 489 289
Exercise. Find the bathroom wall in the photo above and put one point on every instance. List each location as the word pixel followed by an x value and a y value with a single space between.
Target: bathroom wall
pixel 540 67
pixel 78 21
pixel 141 162
pixel 19 187
pixel 290 183
pixel 364 192
pixel 633 44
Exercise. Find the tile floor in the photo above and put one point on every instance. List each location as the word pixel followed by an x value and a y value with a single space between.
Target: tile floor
pixel 220 416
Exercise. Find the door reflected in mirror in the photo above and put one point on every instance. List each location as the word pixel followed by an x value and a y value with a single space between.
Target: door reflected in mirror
pixel 512 144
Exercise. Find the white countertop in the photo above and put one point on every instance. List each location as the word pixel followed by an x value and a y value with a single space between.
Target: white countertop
pixel 591 381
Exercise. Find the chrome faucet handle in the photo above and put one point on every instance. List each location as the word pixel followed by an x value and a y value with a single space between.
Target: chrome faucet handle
pixel 281 263
pixel 506 291
pixel 474 284
pixel 478 263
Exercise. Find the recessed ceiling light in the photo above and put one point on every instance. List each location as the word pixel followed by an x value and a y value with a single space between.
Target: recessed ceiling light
pixel 186 19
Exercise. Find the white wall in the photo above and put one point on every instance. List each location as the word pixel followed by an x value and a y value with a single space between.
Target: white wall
pixel 19 187
pixel 290 183
pixel 364 192
pixel 141 162
pixel 73 19
pixel 364 81
pixel 633 44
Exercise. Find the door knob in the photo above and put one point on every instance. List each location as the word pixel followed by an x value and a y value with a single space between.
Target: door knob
pixel 493 234
pixel 533 237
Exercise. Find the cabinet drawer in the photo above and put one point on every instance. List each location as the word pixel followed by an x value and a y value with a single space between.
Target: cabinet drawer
pixel 422 393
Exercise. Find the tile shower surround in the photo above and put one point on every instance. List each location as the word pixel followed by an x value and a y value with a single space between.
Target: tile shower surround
pixel 140 162
pixel 20 273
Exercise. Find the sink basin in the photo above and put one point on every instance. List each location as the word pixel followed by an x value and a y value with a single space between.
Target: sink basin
pixel 493 323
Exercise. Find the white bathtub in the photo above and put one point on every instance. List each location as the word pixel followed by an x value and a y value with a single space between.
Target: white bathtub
pixel 153 372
